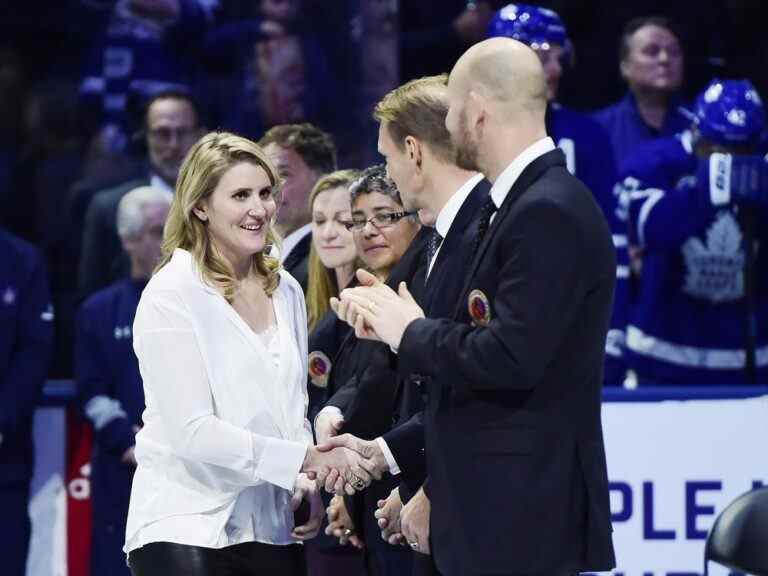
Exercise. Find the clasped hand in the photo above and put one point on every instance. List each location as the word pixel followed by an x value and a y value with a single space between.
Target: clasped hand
pixel 345 464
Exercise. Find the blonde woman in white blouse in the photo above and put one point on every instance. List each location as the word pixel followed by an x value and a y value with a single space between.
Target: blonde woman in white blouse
pixel 220 335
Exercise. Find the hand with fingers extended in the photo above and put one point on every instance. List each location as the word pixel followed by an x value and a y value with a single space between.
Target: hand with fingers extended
pixel 414 522
pixel 340 524
pixel 306 489
pixel 375 311
pixel 388 517
pixel 339 469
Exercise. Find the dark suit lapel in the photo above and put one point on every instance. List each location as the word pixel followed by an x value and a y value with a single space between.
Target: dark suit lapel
pixel 530 174
pixel 298 253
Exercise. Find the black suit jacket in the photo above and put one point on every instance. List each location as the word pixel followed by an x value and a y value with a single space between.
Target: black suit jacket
pixel 516 464
pixel 363 384
pixel 297 262
pixel 442 290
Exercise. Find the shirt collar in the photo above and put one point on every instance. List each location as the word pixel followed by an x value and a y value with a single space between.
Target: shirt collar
pixel 511 173
pixel 156 182
pixel 448 214
pixel 290 241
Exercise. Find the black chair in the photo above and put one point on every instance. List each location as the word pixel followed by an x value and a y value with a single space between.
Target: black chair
pixel 739 536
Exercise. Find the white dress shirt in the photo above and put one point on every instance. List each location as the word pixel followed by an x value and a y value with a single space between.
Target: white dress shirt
pixel 225 430
pixel 291 241
pixel 511 173
pixel 449 212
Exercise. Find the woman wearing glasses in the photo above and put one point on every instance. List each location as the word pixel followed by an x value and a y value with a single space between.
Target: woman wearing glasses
pixel 389 244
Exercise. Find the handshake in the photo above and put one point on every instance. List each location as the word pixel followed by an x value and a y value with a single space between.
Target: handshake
pixel 343 464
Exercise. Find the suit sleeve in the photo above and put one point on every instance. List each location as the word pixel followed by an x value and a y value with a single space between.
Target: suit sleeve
pixel 95 390
pixel 541 254
pixel 31 353
pixel 406 442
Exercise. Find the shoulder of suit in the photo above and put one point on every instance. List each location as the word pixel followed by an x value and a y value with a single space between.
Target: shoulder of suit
pixel 111 196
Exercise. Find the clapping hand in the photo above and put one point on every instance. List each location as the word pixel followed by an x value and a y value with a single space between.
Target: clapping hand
pixel 375 311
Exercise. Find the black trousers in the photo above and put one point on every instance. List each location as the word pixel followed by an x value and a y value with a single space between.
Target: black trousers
pixel 247 559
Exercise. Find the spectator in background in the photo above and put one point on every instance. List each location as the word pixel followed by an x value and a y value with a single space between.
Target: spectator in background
pixel 302 153
pixel 172 125
pixel 434 34
pixel 651 63
pixel 137 48
pixel 701 308
pixel 332 260
pixel 274 69
pixel 52 157
pixel 107 375
pixel 26 339
pixel 587 150
pixel 11 106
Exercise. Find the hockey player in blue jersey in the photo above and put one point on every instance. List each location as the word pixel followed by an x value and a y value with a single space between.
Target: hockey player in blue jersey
pixel 586 146
pixel 698 211
pixel 108 379
pixel 26 342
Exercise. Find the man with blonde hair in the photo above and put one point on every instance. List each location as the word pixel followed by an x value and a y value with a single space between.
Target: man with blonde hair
pixel 421 161
pixel 516 464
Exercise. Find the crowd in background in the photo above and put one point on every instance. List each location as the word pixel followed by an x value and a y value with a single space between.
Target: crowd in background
pixel 94 127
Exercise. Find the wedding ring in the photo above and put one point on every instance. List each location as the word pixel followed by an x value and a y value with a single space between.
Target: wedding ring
pixel 348 532
pixel 414 545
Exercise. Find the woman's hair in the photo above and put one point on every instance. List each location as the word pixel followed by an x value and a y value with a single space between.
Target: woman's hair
pixel 321 282
pixel 374 179
pixel 205 163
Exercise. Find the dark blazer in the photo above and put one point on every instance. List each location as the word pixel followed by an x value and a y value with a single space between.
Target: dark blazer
pixel 102 258
pixel 297 262
pixel 363 384
pixel 517 475
pixel 440 294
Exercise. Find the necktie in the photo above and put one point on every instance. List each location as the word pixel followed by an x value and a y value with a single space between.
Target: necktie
pixel 433 243
pixel 486 212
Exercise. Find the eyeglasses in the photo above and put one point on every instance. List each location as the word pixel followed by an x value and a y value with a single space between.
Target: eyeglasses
pixel 379 221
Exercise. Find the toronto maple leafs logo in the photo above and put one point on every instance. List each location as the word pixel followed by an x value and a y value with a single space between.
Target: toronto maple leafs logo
pixel 714 271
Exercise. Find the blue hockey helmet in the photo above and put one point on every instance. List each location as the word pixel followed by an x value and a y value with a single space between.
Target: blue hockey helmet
pixel 539 28
pixel 730 112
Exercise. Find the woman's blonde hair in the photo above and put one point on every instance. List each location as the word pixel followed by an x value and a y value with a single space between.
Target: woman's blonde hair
pixel 205 163
pixel 321 282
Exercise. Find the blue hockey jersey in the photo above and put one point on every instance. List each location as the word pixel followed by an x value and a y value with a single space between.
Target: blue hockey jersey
pixel 590 158
pixel 26 343
pixel 688 318
pixel 111 393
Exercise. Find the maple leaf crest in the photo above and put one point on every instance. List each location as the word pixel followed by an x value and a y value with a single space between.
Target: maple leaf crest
pixel 714 271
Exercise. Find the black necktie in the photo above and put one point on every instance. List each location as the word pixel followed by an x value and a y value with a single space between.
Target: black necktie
pixel 486 212
pixel 433 243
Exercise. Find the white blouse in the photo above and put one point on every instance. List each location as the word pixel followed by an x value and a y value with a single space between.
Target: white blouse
pixel 225 430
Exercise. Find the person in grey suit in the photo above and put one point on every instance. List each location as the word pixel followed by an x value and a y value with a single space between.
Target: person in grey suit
pixel 171 126
pixel 517 480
